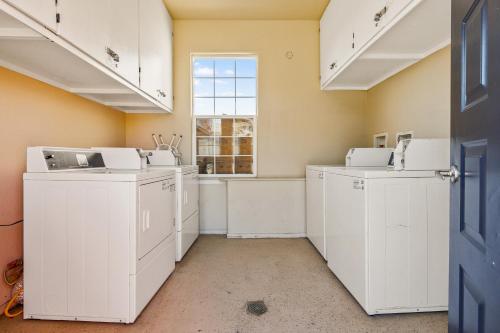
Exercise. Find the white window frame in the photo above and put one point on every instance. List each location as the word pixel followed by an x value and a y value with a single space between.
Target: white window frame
pixel 253 117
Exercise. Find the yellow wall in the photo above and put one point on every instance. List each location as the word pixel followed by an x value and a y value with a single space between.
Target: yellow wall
pixel 297 124
pixel 33 114
pixel 417 99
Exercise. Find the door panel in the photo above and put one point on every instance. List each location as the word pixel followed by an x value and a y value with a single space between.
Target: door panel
pixel 44 11
pixel 346 232
pixel 124 38
pixel 365 27
pixel 335 37
pixel 85 25
pixel 156 219
pixel 155 48
pixel 190 195
pixel 475 198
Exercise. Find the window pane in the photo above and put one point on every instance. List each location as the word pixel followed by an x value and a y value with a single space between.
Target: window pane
pixel 243 146
pixel 203 87
pixel 246 88
pixel 225 88
pixel 225 106
pixel 223 146
pixel 204 127
pixel 204 146
pixel 246 106
pixel 246 68
pixel 225 68
pixel 224 165
pixel 205 164
pixel 203 68
pixel 243 165
pixel 223 127
pixel 203 106
pixel 243 127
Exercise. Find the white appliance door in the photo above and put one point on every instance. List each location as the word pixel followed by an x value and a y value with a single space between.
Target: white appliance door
pixel 190 194
pixel 315 199
pixel 346 232
pixel 156 214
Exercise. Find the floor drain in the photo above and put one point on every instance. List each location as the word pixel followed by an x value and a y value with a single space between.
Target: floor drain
pixel 256 307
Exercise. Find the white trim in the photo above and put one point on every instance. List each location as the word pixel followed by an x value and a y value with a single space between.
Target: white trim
pixel 244 236
pixel 213 232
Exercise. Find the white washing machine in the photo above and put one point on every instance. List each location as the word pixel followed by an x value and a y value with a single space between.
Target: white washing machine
pixel 387 237
pixel 98 243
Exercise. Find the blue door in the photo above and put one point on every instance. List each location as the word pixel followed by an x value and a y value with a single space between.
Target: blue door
pixel 475 195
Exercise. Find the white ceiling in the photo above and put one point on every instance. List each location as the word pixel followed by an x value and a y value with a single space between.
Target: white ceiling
pixel 246 9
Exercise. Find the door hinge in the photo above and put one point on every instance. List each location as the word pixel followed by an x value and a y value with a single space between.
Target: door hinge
pixel 58 18
pixel 57 2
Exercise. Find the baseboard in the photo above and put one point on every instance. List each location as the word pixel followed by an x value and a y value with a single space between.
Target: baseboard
pixel 301 235
pixel 213 232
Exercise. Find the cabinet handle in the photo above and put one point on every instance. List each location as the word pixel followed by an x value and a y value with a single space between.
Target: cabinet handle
pixel 380 14
pixel 333 65
pixel 113 54
pixel 161 93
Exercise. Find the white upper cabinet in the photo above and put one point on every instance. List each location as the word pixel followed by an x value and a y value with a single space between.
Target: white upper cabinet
pixel 335 37
pixel 365 42
pixel 85 25
pixel 368 20
pixel 123 42
pixel 43 11
pixel 155 49
pixel 105 29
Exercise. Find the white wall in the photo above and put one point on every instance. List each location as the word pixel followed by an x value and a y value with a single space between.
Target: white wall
pixel 260 208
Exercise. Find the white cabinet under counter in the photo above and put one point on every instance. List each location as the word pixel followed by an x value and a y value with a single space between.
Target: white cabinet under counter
pixel 362 43
pixel 89 48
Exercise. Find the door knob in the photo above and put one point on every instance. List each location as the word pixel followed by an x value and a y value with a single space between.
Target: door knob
pixel 453 174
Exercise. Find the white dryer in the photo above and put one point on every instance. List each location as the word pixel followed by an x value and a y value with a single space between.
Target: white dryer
pixel 98 243
pixel 187 218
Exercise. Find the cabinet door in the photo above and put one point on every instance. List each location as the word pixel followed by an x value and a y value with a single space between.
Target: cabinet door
pixel 166 50
pixel 394 8
pixel 156 215
pixel 85 24
pixel 155 48
pixel 335 37
pixel 124 39
pixel 43 11
pixel 365 24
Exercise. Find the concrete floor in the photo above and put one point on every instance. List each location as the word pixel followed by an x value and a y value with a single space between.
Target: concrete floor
pixel 209 289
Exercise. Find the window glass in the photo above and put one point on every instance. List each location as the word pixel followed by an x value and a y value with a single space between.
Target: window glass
pixel 225 113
